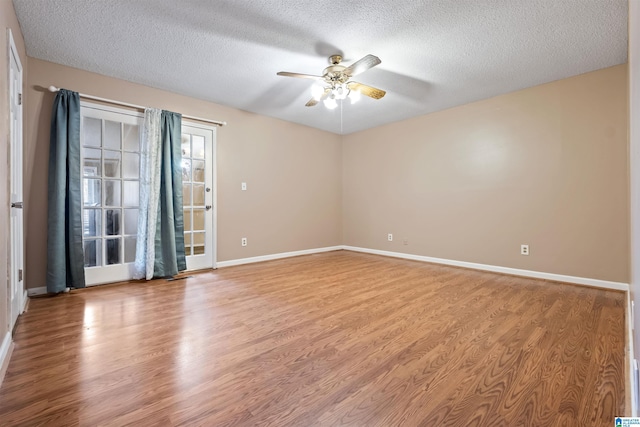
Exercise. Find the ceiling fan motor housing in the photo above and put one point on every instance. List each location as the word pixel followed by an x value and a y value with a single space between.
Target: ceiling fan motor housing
pixel 335 59
pixel 335 74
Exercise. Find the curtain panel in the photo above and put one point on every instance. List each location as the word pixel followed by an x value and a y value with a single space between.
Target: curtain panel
pixel 170 257
pixel 149 193
pixel 160 244
pixel 65 254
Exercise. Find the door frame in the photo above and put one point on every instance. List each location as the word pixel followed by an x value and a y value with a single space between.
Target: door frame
pixel 16 165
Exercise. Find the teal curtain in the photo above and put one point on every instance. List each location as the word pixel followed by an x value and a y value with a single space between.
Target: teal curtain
pixel 169 240
pixel 65 255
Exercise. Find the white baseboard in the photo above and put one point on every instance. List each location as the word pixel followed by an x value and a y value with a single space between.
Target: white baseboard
pixel 632 380
pixel 37 291
pixel 25 299
pixel 497 269
pixel 5 353
pixel 619 286
pixel 230 263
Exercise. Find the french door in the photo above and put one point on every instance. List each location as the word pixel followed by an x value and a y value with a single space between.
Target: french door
pixel 110 140
pixel 198 195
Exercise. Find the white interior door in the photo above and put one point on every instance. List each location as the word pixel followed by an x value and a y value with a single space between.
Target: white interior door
pixel 16 284
pixel 199 195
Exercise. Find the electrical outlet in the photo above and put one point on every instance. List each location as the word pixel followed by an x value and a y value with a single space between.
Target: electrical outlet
pixel 244 186
pixel 524 249
pixel 244 241
pixel 390 237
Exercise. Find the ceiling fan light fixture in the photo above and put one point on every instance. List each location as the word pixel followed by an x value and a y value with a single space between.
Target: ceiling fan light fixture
pixel 354 96
pixel 340 92
pixel 317 91
pixel 330 103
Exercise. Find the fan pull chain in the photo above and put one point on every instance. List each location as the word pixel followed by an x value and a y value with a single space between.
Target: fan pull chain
pixel 341 102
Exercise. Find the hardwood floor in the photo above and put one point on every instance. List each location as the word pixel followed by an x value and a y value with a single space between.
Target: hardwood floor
pixel 339 338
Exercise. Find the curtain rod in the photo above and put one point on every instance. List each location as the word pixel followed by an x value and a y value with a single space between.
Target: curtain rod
pixel 139 107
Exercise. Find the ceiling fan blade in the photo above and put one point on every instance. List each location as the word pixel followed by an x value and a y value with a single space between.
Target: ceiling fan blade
pixel 302 76
pixel 362 65
pixel 312 102
pixel 369 91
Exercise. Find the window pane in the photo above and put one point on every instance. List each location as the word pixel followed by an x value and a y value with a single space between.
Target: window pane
pixel 91 222
pixel 198 146
pixel 198 170
pixel 187 219
pixel 112 135
pixel 130 221
pixel 112 164
pixel 91 192
pixel 198 219
pixel 131 164
pixel 198 194
pixel 187 244
pixel 198 243
pixel 92 253
pixel 186 146
pixel 91 132
pixel 112 222
pixel 92 165
pixel 131 197
pixel 112 193
pixel 198 239
pixel 129 249
pixel 113 251
pixel 131 137
pixel 186 194
pixel 186 170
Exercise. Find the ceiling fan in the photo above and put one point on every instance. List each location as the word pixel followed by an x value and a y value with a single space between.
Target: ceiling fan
pixel 335 84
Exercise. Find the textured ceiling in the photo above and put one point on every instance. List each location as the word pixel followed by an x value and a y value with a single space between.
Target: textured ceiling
pixel 435 54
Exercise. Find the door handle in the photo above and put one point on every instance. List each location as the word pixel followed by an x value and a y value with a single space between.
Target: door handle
pixel 208 207
pixel 17 205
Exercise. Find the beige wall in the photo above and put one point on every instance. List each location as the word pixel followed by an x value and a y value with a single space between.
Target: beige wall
pixel 544 166
pixel 293 173
pixel 7 20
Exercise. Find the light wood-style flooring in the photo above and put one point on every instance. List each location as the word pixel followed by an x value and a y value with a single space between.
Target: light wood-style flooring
pixel 339 338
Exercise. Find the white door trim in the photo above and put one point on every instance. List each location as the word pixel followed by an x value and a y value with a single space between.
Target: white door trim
pixel 15 297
